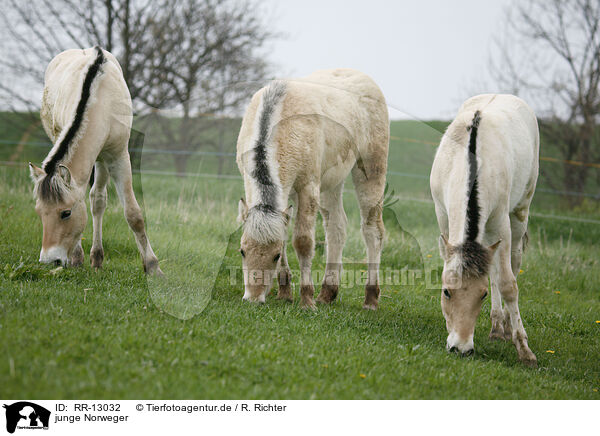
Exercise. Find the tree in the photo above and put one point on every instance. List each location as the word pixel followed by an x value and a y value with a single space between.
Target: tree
pixel 185 58
pixel 550 55
pixel 206 63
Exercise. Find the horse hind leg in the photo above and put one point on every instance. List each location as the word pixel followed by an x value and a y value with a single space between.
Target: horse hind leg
pixel 510 290
pixel 121 172
pixel 369 183
pixel 518 228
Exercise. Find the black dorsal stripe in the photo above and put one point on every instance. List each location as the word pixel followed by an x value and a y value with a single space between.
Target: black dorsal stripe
pixel 473 209
pixel 63 147
pixel 268 190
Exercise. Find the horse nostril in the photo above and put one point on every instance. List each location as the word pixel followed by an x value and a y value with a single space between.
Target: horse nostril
pixel 57 262
pixel 467 353
pixel 453 350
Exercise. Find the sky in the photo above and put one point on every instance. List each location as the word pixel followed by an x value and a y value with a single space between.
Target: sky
pixel 427 56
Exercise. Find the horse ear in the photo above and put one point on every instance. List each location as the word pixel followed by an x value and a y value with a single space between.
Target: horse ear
pixel 35 172
pixel 493 247
pixel 242 211
pixel 444 246
pixel 64 174
pixel 287 214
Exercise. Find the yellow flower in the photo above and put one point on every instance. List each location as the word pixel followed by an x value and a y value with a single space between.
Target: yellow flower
pixel 550 351
pixel 429 255
pixel 557 292
pixel 363 376
pixel 598 321
pixel 521 271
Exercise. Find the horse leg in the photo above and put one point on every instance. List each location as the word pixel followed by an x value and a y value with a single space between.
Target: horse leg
pixel 334 219
pixel 518 227
pixel 77 255
pixel 284 277
pixel 510 292
pixel 98 206
pixel 369 183
pixel 121 173
pixel 496 314
pixel 304 241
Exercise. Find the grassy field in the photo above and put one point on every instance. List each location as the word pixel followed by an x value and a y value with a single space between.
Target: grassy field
pixel 76 333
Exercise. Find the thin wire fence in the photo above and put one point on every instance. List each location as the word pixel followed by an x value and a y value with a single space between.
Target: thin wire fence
pixel 198 153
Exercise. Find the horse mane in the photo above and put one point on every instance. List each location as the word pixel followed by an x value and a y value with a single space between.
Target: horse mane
pixel 265 224
pixel 51 187
pixel 473 208
pixel 473 258
pixel 470 259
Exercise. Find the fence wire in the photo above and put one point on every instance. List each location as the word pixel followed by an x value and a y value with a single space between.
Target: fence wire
pixel 232 155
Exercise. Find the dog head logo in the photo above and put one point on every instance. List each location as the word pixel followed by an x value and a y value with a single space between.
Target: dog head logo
pixel 26 415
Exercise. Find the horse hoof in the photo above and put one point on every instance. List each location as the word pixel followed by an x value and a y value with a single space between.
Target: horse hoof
pixel 530 362
pixel 328 293
pixel 497 335
pixel 308 304
pixel 284 295
pixel 370 306
pixel 527 358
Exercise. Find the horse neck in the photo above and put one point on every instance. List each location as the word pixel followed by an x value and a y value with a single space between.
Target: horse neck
pixel 80 164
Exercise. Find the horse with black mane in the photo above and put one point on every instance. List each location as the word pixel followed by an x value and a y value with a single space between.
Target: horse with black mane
pixel 482 182
pixel 87 113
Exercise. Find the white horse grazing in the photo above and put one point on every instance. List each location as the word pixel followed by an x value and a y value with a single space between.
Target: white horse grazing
pixel 86 112
pixel 299 140
pixel 482 181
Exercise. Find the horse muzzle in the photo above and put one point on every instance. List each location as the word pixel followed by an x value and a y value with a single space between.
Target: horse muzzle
pixel 56 255
pixel 455 344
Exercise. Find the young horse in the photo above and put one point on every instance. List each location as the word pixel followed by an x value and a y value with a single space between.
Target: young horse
pixel 482 182
pixel 299 140
pixel 86 112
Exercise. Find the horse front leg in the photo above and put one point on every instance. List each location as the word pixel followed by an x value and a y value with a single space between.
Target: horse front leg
pixel 98 197
pixel 304 242
pixel 77 255
pixel 496 314
pixel 335 221
pixel 284 277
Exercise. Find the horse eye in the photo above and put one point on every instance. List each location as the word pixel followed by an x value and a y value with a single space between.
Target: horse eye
pixel 65 214
pixel 484 295
pixel 446 293
pixel 243 253
pixel 277 256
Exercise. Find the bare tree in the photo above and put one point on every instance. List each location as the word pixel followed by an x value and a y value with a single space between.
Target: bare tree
pixel 550 54
pixel 206 62
pixel 34 32
pixel 187 57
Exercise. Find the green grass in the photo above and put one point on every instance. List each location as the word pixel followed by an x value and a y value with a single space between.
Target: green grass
pixel 76 333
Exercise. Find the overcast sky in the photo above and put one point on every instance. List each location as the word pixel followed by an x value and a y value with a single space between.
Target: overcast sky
pixel 425 55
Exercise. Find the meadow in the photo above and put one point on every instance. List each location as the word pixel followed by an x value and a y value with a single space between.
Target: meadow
pixel 77 333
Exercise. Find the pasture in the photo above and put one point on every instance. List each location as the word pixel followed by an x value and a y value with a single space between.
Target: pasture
pixel 77 333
